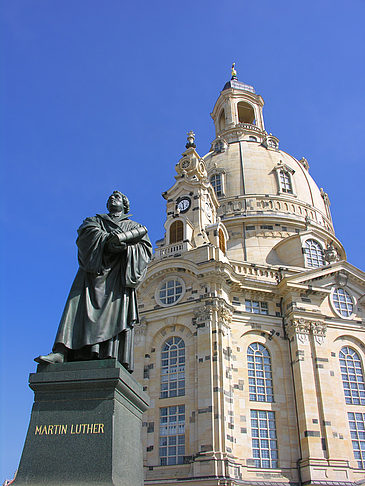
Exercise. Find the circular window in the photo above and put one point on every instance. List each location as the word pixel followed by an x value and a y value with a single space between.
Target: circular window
pixel 170 292
pixel 342 302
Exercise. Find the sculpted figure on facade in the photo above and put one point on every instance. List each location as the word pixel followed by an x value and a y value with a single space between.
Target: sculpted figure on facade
pixel 101 310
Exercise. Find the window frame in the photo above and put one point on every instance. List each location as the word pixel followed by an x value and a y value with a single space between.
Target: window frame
pixel 178 436
pixel 261 305
pixel 289 172
pixel 260 376
pixel 333 305
pixel 180 223
pixel 353 383
pixel 160 288
pixel 170 379
pixel 306 250
pixel 261 441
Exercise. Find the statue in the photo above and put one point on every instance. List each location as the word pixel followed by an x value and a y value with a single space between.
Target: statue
pixel 101 309
pixel 233 71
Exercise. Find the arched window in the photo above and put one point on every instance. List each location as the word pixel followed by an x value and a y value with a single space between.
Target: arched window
pixel 285 182
pixel 173 368
pixel 222 120
pixel 222 242
pixel 352 376
pixel 216 181
pixel 259 373
pixel 246 113
pixel 176 232
pixel 313 254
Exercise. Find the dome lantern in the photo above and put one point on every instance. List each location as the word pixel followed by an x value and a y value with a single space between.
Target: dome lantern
pixel 238 110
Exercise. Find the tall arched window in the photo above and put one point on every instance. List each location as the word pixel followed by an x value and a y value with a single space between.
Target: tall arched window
pixel 352 376
pixel 216 181
pixel 173 368
pixel 313 254
pixel 176 232
pixel 222 241
pixel 259 373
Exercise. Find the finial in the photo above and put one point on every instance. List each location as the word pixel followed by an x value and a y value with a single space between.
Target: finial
pixel 191 139
pixel 233 71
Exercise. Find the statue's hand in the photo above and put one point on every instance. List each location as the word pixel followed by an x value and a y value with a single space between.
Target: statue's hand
pixel 115 246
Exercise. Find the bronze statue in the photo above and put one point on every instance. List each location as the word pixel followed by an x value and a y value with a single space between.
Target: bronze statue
pixel 101 309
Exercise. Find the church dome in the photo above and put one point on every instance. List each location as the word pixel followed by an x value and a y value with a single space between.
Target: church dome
pixel 267 190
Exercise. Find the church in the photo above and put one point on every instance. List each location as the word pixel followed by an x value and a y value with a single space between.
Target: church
pixel 252 321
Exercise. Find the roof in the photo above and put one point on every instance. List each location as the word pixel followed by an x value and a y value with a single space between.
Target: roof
pixel 235 84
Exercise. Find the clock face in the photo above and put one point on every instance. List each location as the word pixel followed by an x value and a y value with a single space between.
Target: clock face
pixel 184 204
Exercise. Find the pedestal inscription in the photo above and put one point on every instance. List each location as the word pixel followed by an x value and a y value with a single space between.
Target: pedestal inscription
pixel 85 427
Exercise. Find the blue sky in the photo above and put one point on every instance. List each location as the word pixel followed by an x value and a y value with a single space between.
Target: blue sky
pixel 98 96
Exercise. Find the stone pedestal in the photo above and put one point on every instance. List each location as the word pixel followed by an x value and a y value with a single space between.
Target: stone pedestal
pixel 85 427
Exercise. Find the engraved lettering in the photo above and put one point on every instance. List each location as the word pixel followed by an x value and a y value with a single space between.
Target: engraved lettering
pixel 64 429
pixel 38 429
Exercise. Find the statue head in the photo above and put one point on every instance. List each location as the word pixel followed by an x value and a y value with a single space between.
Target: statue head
pixel 118 203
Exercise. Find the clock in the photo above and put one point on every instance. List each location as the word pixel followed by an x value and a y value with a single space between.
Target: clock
pixel 183 204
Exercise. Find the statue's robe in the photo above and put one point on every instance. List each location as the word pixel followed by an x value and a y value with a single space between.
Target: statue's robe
pixel 101 309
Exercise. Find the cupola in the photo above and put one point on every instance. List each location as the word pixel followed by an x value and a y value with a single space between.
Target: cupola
pixel 238 110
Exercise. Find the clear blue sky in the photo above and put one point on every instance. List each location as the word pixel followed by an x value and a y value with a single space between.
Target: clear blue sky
pixel 98 95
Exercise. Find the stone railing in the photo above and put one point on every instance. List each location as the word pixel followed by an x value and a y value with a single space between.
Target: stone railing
pixel 251 205
pixel 257 272
pixel 170 250
pixel 249 126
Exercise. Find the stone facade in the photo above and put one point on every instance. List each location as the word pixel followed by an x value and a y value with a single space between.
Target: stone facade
pixel 247 308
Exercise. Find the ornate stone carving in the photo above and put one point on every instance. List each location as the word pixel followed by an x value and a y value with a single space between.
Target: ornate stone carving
pixel 141 327
pixel 319 331
pixel 331 254
pixel 203 314
pixel 299 328
pixel 225 315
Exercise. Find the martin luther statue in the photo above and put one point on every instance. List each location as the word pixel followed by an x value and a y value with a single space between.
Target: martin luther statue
pixel 101 309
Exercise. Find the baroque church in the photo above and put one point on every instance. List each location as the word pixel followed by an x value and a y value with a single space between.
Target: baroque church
pixel 252 322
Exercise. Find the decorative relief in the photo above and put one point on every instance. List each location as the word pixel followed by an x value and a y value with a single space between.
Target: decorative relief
pixel 225 315
pixel 331 254
pixel 319 331
pixel 301 328
pixel 141 327
pixel 203 314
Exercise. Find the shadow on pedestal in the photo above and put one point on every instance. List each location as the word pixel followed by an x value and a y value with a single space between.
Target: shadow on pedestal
pixel 85 427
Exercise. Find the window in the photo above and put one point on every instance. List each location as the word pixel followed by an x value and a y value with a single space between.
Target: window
pixel 222 242
pixel 172 435
pixel 357 430
pixel 252 139
pixel 264 442
pixel 216 181
pixel 246 113
pixel 352 376
pixel 259 373
pixel 313 254
pixel 257 307
pixel 171 291
pixel 285 182
pixel 176 232
pixel 342 302
pixel 173 368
